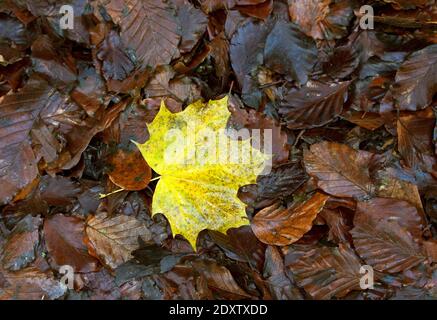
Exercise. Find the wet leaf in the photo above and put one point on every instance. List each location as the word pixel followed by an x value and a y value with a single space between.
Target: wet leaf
pixel 327 272
pixel 280 285
pixel 340 170
pixel 313 105
pixel 288 51
pixel 114 238
pixel 385 240
pixel 324 19
pixel 20 249
pixel 129 170
pixel 64 240
pixel 416 83
pixel 150 28
pixel 283 226
pixel 186 178
pixel 30 284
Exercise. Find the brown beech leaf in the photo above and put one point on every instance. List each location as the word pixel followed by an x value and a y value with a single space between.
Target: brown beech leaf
pixel 18 114
pixel 20 249
pixel 162 85
pixel 313 105
pixel 246 50
pixel 337 222
pixel 64 240
pixel 129 170
pixel 116 62
pixel 114 238
pixel 182 282
pixel 326 272
pixel 219 279
pixel 290 52
pixel 279 184
pixel 252 119
pixel 260 10
pixel 241 244
pixel 321 19
pixel 281 287
pixel 416 82
pixel 30 284
pixel 415 139
pixel 283 226
pixel 431 249
pixel 367 120
pixel 151 30
pixel 90 90
pixel 387 240
pixel 389 185
pixel 339 169
pixel 191 24
pixel 403 212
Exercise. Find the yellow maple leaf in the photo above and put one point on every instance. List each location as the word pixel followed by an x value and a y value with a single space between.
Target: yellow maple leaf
pixel 201 168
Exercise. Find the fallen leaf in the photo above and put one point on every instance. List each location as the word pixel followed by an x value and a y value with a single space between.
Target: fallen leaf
pixel 415 139
pixel 281 287
pixel 279 226
pixel 324 19
pixel 313 105
pixel 162 85
pixel 116 63
pixel 290 52
pixel 219 279
pixel 327 272
pixel 191 24
pixel 151 30
pixel 242 245
pixel 385 241
pixel 416 83
pixel 129 170
pixel 64 240
pixel 114 238
pixel 20 250
pixel 197 190
pixel 340 170
pixel 30 284
pixel 246 52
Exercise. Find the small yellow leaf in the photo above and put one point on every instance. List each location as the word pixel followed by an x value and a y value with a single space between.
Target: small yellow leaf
pixel 201 168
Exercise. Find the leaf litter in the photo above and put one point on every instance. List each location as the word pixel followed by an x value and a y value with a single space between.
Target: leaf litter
pixel 353 175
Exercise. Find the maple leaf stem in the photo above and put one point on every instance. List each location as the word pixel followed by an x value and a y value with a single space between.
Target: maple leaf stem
pixel 105 195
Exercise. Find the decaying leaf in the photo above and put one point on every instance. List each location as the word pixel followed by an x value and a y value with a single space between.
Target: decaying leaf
pixel 129 171
pixel 385 244
pixel 64 240
pixel 324 19
pixel 327 272
pixel 416 82
pixel 313 105
pixel 340 170
pixel 113 239
pixel 21 248
pixel 350 179
pixel 280 226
